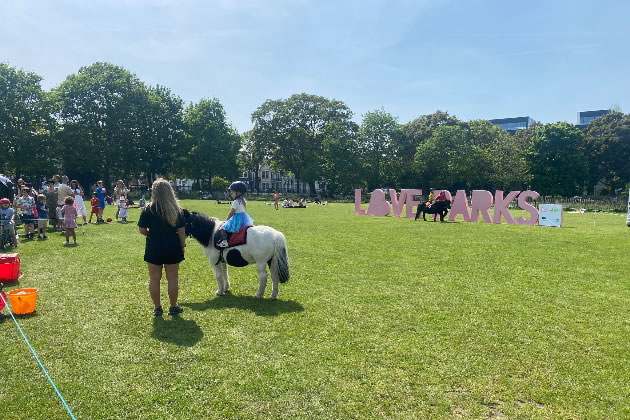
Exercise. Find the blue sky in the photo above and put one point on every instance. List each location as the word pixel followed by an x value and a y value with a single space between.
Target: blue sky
pixel 474 59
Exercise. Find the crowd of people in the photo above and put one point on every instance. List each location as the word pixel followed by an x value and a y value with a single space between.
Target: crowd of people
pixel 57 204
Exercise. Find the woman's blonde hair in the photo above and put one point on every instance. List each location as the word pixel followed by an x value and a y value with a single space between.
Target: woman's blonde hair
pixel 163 201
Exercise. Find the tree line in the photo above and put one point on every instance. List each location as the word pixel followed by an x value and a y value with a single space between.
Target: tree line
pixel 104 121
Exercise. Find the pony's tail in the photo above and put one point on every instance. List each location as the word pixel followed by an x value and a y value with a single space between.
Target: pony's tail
pixel 280 261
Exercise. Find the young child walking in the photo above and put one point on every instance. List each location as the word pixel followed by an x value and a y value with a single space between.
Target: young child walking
pixel 42 216
pixel 27 204
pixel 69 213
pixel 237 218
pixel 94 204
pixel 122 209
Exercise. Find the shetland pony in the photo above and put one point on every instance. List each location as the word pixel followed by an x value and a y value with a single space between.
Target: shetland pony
pixel 439 207
pixel 265 246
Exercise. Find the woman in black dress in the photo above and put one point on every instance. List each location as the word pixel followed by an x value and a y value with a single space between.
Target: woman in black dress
pixel 162 222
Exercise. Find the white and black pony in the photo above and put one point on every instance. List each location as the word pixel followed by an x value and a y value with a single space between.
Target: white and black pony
pixel 439 207
pixel 265 246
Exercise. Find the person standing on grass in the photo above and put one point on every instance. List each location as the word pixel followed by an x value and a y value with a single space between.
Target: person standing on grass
pixel 27 204
pixel 94 204
pixel 51 202
pixel 77 191
pixel 119 191
pixel 69 213
pixel 100 193
pixel 276 198
pixel 162 222
pixel 64 191
pixel 42 216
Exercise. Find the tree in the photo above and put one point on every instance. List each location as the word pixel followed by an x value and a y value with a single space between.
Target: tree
pixel 555 162
pixel 449 159
pixel 99 110
pixel 161 133
pixel 252 155
pixel 219 184
pixel 606 146
pixel 414 133
pixel 212 144
pixel 377 134
pixel 293 130
pixel 507 168
pixel 341 168
pixel 25 125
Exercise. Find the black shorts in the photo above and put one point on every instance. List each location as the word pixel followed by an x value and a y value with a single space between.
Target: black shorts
pixel 160 251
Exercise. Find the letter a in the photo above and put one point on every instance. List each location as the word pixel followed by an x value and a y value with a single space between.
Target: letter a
pixel 481 202
pixel 460 206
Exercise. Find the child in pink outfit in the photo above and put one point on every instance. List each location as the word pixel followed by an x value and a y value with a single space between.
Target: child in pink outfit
pixel 70 214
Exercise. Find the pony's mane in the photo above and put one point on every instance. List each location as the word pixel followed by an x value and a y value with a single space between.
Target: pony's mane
pixel 202 227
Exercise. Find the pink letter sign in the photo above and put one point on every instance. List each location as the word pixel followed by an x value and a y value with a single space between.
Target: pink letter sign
pixel 460 206
pixel 397 202
pixel 411 202
pixel 481 202
pixel 378 205
pixel 501 207
pixel 357 203
pixel 522 203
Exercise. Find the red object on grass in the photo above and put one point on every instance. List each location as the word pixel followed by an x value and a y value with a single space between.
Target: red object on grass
pixel 3 299
pixel 9 268
pixel 109 219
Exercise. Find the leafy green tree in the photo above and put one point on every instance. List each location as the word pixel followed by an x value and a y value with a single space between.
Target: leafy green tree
pixel 341 169
pixel 606 146
pixel 26 130
pixel 449 159
pixel 161 133
pixel 415 133
pixel 219 184
pixel 377 135
pixel 212 144
pixel 293 130
pixel 507 170
pixel 555 162
pixel 99 110
pixel 252 155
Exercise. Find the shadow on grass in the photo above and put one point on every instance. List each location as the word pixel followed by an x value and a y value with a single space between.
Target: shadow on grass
pixel 261 307
pixel 182 332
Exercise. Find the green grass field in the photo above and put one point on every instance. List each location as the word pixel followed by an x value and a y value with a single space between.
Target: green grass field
pixel 382 318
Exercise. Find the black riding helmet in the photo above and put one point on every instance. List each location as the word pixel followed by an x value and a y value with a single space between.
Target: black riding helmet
pixel 238 186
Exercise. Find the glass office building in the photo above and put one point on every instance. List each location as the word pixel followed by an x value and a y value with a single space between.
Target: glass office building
pixel 512 125
pixel 585 117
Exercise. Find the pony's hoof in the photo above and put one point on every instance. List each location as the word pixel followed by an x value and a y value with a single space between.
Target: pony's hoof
pixel 218 293
pixel 274 297
pixel 258 296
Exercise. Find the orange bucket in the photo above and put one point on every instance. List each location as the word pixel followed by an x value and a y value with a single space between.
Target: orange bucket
pixel 23 300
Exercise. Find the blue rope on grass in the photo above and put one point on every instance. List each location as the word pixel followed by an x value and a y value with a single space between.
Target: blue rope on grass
pixel 37 358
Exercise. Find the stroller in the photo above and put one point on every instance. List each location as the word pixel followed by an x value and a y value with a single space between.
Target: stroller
pixel 5 236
